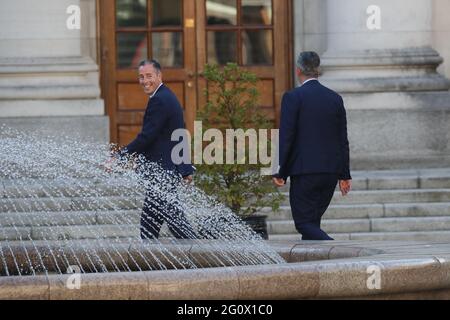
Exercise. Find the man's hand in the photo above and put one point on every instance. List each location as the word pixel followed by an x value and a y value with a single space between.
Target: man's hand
pixel 279 182
pixel 188 179
pixel 345 186
pixel 108 165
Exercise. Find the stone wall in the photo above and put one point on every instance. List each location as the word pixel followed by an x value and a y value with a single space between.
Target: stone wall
pixel 394 80
pixel 441 33
pixel 48 72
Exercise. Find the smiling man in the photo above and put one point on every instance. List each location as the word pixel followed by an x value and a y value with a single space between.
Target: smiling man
pixel 162 117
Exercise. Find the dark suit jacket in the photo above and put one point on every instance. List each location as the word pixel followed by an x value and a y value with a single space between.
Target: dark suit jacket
pixel 162 116
pixel 313 132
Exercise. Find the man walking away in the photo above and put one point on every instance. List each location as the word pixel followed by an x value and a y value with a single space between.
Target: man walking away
pixel 314 149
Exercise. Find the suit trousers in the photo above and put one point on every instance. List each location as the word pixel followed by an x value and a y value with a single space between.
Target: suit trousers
pixel 310 196
pixel 160 207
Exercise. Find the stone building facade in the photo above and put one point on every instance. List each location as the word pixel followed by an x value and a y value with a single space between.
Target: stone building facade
pixel 394 79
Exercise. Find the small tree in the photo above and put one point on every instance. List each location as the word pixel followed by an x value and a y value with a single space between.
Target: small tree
pixel 232 104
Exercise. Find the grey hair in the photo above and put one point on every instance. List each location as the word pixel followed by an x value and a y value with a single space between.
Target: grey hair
pixel 151 62
pixel 308 62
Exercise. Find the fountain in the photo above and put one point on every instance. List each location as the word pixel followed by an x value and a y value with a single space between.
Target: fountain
pixel 57 191
pixel 69 229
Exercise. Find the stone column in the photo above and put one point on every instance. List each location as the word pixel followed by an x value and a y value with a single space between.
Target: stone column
pixel 397 57
pixel 46 71
pixel 398 105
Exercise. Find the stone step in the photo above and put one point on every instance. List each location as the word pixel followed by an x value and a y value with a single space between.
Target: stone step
pixel 357 211
pixel 375 236
pixel 69 232
pixel 408 224
pixel 297 236
pixel 67 218
pixel 32 188
pixel 362 180
pixel 352 229
pixel 360 211
pixel 416 212
pixel 404 224
pixel 388 196
pixel 398 179
pixel 70 204
pixel 120 202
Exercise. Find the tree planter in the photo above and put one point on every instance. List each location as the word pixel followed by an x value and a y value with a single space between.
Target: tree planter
pixel 259 224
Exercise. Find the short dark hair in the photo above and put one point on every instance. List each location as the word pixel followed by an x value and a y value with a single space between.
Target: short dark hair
pixel 152 62
pixel 308 62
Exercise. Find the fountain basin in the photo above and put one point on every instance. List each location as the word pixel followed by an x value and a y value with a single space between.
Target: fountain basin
pixel 338 269
pixel 109 256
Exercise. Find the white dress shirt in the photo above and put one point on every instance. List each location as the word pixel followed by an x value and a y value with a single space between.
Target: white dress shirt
pixel 309 80
pixel 153 94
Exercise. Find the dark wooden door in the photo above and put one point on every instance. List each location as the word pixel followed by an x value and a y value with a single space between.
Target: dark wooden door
pixel 184 35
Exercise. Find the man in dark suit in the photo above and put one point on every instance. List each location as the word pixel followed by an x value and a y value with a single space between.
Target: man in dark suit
pixel 162 117
pixel 314 149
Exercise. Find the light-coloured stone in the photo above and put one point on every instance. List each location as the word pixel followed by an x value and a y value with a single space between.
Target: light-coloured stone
pixel 440 30
pixel 104 203
pixel 151 255
pixel 390 71
pixel 354 211
pixel 206 284
pixel 27 29
pixel 297 236
pixel 47 218
pixel 301 253
pixel 393 183
pixel 329 225
pixel 27 205
pixel 52 108
pixel 393 196
pixel 85 232
pixel 414 135
pixel 404 236
pixel 20 288
pixel 345 225
pixel 2 190
pixel 100 286
pixel 119 217
pixel 84 128
pixel 278 282
pixel 417 209
pixel 341 278
pixel 338 252
pixel 410 224
pixel 410 269
pixel 435 182
pixel 15 233
pixel 357 211
pixel 412 275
